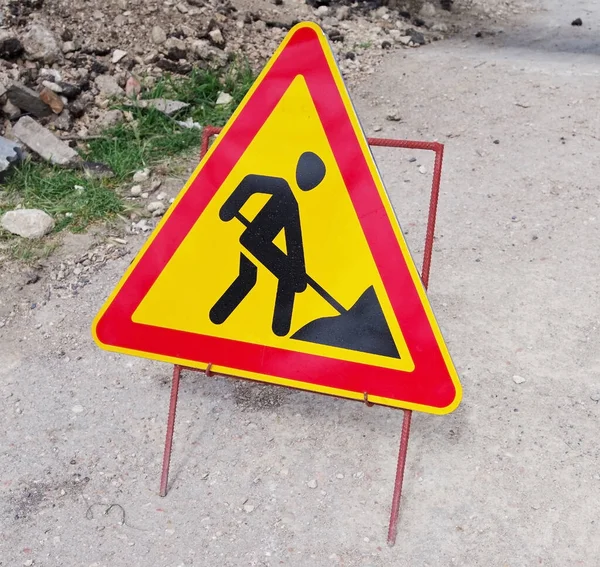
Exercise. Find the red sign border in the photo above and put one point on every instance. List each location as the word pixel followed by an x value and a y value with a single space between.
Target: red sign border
pixel 433 385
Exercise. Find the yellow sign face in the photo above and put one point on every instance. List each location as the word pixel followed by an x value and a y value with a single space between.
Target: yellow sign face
pixel 336 253
pixel 282 260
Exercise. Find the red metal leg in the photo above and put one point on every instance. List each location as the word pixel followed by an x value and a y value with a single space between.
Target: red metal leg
pixel 164 479
pixel 435 189
pixel 393 529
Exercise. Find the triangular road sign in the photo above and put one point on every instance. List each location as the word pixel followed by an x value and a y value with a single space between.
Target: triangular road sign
pixel 282 260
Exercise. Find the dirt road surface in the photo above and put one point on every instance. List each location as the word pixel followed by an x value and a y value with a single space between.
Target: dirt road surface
pixel 510 479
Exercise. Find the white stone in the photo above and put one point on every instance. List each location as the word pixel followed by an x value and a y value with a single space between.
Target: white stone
pixel 43 142
pixel 189 123
pixel 77 409
pixel 159 35
pixel 51 74
pixel 141 176
pixel 136 190
pixel 175 43
pixel 223 99
pixel 343 12
pixel 322 10
pixel 52 86
pixel 112 118
pixel 422 169
pixel 217 37
pixel 28 223
pixel 202 48
pixel 427 10
pixel 118 54
pixel 48 72
pixel 312 483
pixel 69 47
pixel 40 44
pixel 518 379
pixel 248 508
pixel 13 112
pixel 155 206
pixel 108 86
pixel 164 105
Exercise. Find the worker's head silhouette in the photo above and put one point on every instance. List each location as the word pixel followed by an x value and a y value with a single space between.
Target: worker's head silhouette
pixel 310 171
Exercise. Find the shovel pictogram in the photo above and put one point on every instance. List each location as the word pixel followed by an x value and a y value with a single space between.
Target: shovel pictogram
pixel 362 327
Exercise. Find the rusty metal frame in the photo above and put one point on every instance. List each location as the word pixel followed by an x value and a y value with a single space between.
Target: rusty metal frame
pixel 438 149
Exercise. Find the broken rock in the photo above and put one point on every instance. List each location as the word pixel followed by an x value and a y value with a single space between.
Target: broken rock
pixel 417 37
pixel 11 111
pixel 10 153
pixel 133 88
pixel 440 27
pixel 202 48
pixel 176 49
pixel 52 86
pixel 28 100
pixel 40 44
pixel 97 170
pixel 28 223
pixel 159 35
pixel 343 12
pixel 141 176
pixel 189 123
pixel 224 98
pixel 117 55
pixel 164 105
pixel 70 47
pixel 157 208
pixel 108 86
pixel 49 97
pixel 112 118
pixel 44 143
pixel 63 121
pixel 216 37
pixel 427 10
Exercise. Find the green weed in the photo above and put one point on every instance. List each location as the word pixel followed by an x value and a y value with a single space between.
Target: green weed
pixel 147 138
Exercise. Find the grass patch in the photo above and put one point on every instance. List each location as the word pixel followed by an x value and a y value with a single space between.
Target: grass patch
pixel 149 137
pixel 67 195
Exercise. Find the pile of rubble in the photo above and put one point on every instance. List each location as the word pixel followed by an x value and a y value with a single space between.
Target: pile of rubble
pixel 63 61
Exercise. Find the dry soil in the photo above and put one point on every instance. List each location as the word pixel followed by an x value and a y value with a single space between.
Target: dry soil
pixel 509 479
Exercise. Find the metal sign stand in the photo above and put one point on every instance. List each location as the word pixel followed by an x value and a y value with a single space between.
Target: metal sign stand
pixel 406 422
